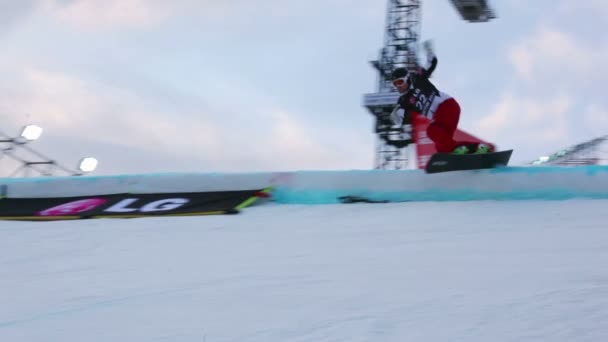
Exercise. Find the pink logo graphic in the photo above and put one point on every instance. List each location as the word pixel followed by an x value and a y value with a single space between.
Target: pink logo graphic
pixel 73 208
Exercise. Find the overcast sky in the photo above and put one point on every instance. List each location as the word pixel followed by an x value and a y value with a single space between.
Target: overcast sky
pixel 276 85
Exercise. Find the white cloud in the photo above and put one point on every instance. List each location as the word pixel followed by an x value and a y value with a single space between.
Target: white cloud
pixel 298 147
pixel 550 52
pixel 56 98
pixel 523 61
pixel 557 73
pixel 72 107
pixel 500 118
pixel 83 110
pixel 107 14
pixel 12 12
pixel 97 15
pixel 517 118
pixel 596 119
pixel 281 142
pixel 590 7
pixel 531 126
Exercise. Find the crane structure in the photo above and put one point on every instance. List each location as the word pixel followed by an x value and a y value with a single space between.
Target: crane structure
pixel 401 39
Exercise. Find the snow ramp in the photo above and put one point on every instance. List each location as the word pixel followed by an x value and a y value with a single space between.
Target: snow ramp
pixel 328 187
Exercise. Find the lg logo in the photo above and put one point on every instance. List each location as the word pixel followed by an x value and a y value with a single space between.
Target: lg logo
pixel 127 205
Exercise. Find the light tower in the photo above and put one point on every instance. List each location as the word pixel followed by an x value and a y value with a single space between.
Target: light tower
pixel 401 38
pixel 31 162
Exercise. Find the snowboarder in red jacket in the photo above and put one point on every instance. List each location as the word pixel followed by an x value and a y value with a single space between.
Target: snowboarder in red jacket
pixel 421 96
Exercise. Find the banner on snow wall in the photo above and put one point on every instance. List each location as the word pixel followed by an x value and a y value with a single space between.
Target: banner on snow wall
pixel 128 205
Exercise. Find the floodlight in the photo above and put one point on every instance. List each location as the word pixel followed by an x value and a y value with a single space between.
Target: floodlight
pixel 31 132
pixel 87 164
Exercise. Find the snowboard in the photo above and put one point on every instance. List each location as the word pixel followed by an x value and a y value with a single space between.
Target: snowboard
pixel 444 162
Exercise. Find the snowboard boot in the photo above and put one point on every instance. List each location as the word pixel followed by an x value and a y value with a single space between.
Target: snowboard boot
pixel 462 149
pixel 483 148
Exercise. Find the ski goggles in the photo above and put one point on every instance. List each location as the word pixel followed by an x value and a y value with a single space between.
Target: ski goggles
pixel 401 81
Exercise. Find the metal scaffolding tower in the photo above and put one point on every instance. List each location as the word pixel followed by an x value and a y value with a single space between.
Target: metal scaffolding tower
pixel 400 40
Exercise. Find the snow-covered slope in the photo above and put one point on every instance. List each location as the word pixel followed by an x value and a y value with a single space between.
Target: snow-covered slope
pixel 466 271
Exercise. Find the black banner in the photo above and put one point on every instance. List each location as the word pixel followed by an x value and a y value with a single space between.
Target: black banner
pixel 128 205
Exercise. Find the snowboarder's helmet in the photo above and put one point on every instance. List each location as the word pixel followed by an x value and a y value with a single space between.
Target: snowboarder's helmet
pixel 399 73
pixel 401 79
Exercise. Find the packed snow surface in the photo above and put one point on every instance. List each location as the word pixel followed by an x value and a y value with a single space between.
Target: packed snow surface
pixel 424 271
